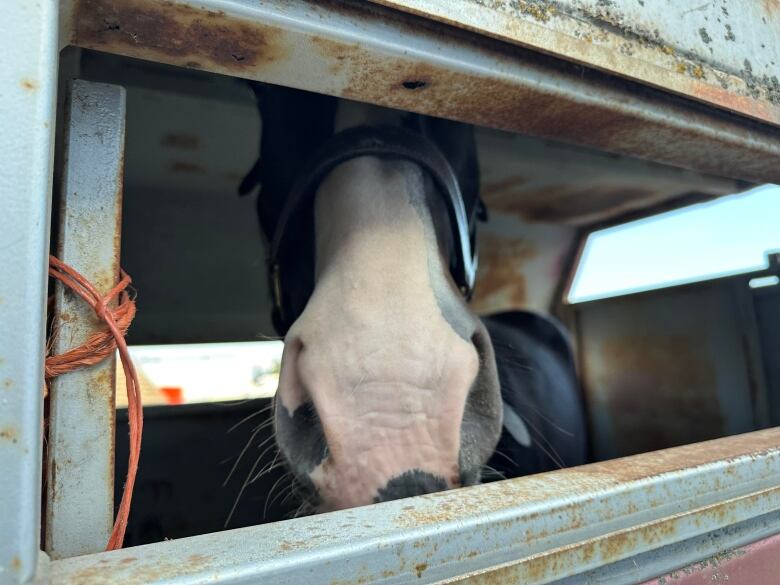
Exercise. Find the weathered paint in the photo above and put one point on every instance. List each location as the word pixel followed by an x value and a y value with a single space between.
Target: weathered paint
pixel 370 54
pixel 28 74
pixel 520 264
pixel 543 182
pixel 80 450
pixel 723 53
pixel 753 564
pixel 668 367
pixel 531 530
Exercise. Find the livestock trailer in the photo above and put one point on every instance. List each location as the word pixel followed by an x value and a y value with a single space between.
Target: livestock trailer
pixel 134 118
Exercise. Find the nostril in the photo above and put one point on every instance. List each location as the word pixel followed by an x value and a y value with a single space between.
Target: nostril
pixel 300 436
pixel 411 483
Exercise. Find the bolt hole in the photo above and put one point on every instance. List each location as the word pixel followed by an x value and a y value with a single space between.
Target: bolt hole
pixel 111 24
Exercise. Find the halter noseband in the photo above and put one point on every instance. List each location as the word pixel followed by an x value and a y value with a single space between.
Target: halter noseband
pixel 382 141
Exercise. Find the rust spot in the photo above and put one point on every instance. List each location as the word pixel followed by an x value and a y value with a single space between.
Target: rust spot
pixel 16 563
pixel 664 391
pixel 567 202
pixel 181 141
pixel 9 434
pixel 731 100
pixel 143 572
pixel 414 84
pixel 771 7
pixel 500 278
pixel 420 569
pixel 29 84
pixel 176 34
pixel 8 383
pixel 181 166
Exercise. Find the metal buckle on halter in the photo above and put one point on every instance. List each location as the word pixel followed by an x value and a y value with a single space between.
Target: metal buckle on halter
pixel 276 286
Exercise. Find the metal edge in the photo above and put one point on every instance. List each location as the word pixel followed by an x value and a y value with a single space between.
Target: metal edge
pixel 82 412
pixel 536 528
pixel 364 52
pixel 28 76
pixel 658 66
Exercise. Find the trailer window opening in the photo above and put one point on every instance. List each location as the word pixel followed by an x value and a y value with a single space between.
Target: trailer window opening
pixel 204 372
pixel 728 236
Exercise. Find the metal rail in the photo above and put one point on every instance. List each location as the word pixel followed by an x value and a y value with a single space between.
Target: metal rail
pixel 368 53
pixel 80 464
pixel 28 85
pixel 535 529
pixel 722 53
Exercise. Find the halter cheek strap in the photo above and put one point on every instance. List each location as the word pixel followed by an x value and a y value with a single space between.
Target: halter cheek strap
pixel 382 141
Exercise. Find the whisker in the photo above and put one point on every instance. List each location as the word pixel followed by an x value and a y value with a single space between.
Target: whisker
pixel 240 456
pixel 270 466
pixel 551 453
pixel 494 471
pixel 266 470
pixel 273 487
pixel 527 402
pixel 246 418
pixel 356 386
pixel 290 489
pixel 264 425
pixel 507 457
pixel 240 493
pixel 228 403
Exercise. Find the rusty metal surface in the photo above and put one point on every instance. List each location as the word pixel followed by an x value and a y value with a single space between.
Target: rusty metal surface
pixel 767 306
pixel 533 529
pixel 539 193
pixel 28 86
pixel 519 264
pixel 367 53
pixel 671 366
pixel 543 182
pixel 723 53
pixel 708 548
pixel 80 464
pixel 758 562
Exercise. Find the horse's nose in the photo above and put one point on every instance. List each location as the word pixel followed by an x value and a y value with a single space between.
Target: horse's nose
pixel 414 482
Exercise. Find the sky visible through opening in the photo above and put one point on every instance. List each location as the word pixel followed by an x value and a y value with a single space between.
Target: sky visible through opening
pixel 727 236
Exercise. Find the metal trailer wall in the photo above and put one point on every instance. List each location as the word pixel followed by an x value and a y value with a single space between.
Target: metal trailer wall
pixel 677 365
pixel 767 305
pixel 723 53
pixel 661 509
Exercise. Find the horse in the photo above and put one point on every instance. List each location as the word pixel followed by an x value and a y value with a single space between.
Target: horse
pixel 390 385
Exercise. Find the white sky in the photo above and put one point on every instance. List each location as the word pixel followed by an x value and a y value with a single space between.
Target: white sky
pixel 727 236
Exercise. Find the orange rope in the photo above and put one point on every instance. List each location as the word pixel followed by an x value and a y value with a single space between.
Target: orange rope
pixel 98 347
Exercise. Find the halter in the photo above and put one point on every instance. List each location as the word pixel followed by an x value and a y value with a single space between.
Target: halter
pixel 381 141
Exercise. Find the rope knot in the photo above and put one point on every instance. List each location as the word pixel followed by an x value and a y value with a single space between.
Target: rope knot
pixel 98 347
